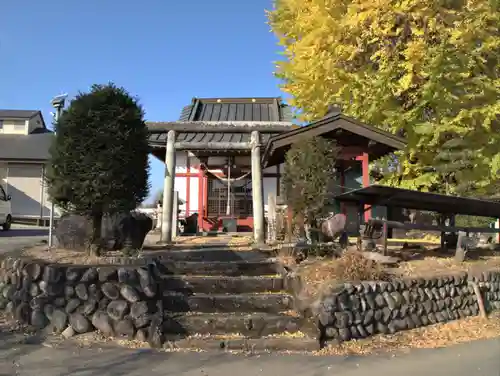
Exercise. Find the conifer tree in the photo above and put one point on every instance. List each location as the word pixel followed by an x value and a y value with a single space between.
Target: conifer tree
pixel 308 175
pixel 99 157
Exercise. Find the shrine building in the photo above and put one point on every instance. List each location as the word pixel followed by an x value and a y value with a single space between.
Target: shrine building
pixel 224 156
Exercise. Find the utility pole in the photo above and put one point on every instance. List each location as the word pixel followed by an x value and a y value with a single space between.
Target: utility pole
pixel 58 104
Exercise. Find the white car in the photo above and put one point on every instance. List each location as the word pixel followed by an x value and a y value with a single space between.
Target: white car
pixel 5 210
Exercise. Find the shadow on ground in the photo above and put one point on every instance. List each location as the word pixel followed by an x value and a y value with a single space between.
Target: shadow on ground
pixel 24 232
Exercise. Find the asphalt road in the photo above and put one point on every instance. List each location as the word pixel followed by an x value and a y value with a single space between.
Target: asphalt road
pixel 19 237
pixel 478 358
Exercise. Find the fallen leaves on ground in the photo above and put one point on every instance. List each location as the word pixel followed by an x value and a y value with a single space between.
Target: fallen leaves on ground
pixel 231 240
pixel 430 337
pixel 352 266
pixel 240 240
pixel 67 256
pixel 297 334
pixel 291 313
pixel 439 264
pixel 193 240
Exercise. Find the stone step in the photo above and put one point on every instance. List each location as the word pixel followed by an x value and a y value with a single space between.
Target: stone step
pixel 208 303
pixel 218 254
pixel 231 268
pixel 235 343
pixel 252 325
pixel 222 284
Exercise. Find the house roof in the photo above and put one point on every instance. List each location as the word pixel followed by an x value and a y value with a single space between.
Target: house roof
pixel 18 114
pixel 21 114
pixel 33 147
pixel 268 109
pixel 345 130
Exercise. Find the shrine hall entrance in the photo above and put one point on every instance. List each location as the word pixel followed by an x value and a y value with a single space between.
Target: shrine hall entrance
pixel 240 198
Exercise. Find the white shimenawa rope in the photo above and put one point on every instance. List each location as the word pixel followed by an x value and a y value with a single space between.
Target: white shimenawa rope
pixel 225 180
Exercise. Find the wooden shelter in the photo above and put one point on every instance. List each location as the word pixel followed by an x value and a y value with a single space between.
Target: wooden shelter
pixel 358 142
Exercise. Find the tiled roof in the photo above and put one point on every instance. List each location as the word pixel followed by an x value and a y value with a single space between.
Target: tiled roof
pixel 205 137
pixel 200 131
pixel 213 120
pixel 237 109
pixel 219 126
pixel 17 114
pixel 25 147
pixel 21 114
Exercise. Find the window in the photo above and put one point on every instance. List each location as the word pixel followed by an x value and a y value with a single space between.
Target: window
pixel 1 124
pixel 240 200
pixel 3 196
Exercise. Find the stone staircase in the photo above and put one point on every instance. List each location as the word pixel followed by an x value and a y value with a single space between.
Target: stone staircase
pixel 237 304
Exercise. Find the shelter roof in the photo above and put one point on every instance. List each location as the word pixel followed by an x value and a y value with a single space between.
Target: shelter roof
pixel 345 130
pixel 404 198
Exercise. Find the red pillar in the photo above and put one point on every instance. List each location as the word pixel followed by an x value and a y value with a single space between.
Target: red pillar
pixel 205 197
pixel 201 176
pixel 365 171
pixel 188 184
pixel 343 208
pixel 497 225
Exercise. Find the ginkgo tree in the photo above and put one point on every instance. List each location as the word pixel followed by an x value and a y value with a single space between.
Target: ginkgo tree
pixel 427 69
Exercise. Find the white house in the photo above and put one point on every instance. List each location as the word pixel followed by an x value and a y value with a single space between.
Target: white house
pixel 24 151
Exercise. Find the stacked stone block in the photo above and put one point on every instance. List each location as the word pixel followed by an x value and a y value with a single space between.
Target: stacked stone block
pixel 489 284
pixel 116 300
pixel 355 311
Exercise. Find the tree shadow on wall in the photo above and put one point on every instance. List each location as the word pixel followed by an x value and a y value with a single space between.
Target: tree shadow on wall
pixel 22 204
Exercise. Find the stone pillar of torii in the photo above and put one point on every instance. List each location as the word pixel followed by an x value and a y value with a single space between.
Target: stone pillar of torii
pixel 167 224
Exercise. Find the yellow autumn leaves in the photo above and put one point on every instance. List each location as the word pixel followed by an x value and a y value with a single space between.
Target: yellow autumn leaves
pixel 428 66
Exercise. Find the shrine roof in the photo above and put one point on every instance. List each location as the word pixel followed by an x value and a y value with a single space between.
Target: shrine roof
pixel 217 132
pixel 266 109
pixel 225 120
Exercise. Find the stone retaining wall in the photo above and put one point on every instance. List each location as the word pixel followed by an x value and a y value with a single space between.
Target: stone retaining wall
pixel 489 284
pixel 127 301
pixel 355 311
pixel 116 300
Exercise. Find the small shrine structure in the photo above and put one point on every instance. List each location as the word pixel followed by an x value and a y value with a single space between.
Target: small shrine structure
pixel 225 155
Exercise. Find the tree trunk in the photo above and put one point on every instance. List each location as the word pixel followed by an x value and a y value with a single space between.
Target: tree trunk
pixel 96 240
pixel 300 218
pixel 289 224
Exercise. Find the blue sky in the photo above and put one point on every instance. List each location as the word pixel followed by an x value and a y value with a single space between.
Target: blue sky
pixel 163 51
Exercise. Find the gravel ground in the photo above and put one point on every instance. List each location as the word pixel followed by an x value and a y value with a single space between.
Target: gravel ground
pixel 19 237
